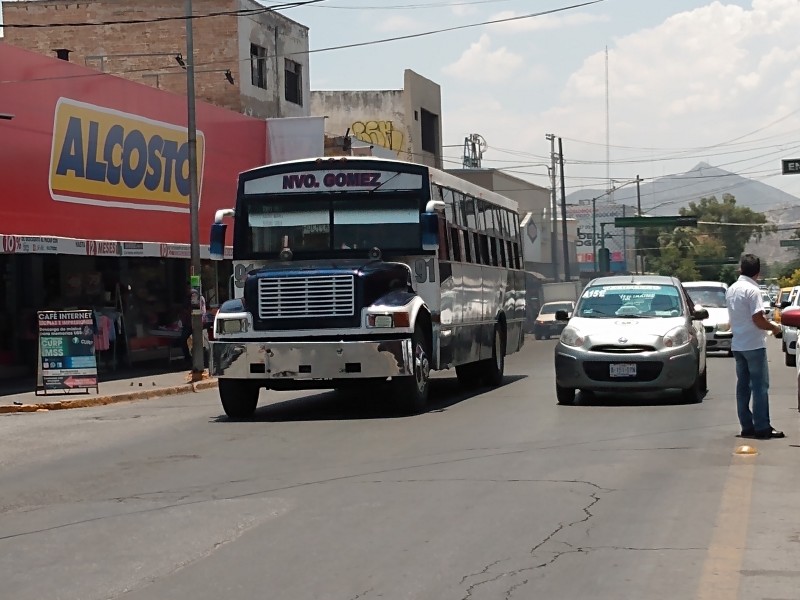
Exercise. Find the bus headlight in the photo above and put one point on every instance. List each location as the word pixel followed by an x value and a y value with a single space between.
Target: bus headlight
pixel 227 326
pixel 398 319
pixel 723 327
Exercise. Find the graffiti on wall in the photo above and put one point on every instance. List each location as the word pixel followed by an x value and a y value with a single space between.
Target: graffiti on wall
pixel 379 133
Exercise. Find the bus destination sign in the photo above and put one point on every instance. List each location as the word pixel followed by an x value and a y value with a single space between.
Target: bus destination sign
pixel 322 181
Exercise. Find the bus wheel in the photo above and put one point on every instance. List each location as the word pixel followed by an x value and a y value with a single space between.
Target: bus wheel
pixel 493 368
pixel 469 375
pixel 239 397
pixel 411 392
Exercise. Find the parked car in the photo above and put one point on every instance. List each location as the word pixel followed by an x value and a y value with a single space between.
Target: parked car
pixel 632 333
pixel 710 295
pixel 791 318
pixel 546 324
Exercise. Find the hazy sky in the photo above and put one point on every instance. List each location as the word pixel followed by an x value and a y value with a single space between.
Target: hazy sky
pixel 688 80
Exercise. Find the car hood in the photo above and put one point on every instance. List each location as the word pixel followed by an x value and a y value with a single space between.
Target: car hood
pixel 716 315
pixel 635 331
pixel 546 317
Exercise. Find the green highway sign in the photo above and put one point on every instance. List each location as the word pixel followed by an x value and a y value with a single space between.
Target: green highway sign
pixel 790 166
pixel 677 221
pixel 713 262
pixel 789 243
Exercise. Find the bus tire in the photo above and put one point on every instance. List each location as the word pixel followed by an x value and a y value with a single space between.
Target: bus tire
pixel 469 375
pixel 239 397
pixel 411 392
pixel 493 368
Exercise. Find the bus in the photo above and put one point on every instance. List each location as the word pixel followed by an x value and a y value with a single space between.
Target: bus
pixel 365 272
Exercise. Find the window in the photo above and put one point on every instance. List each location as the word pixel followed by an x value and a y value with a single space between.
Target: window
pixel 455 237
pixel 430 132
pixel 293 73
pixel 449 200
pixel 258 66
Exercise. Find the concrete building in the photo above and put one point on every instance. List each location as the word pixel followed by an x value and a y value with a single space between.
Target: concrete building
pixel 249 59
pixel 535 218
pixel 407 121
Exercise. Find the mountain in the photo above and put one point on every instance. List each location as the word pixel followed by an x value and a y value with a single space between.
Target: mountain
pixel 667 195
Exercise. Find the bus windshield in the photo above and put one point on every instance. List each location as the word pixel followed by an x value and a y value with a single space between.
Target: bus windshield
pixel 313 224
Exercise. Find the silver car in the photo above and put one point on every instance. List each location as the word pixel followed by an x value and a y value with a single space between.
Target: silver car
pixel 632 333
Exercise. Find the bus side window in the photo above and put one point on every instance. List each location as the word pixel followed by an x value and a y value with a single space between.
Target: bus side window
pixel 503 257
pixel 468 250
pixel 455 237
pixel 444 240
pixel 450 205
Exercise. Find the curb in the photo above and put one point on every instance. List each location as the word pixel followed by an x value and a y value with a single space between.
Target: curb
pixel 186 388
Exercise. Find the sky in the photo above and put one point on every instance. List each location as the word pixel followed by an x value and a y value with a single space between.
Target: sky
pixel 688 81
pixel 631 87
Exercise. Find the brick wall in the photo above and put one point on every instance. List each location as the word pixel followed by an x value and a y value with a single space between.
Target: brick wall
pixel 215 41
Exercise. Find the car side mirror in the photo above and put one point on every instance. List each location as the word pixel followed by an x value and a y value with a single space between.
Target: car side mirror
pixel 700 315
pixel 784 304
pixel 562 315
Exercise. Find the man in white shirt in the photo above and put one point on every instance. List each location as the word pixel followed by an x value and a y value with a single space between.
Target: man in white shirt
pixel 749 345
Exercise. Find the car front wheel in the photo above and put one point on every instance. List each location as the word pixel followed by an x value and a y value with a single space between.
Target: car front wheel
pixel 565 395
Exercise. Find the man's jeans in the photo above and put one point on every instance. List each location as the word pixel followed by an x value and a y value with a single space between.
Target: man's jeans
pixel 752 375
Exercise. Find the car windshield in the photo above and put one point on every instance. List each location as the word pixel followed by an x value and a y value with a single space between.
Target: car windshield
pixel 630 300
pixel 708 297
pixel 550 309
pixel 766 298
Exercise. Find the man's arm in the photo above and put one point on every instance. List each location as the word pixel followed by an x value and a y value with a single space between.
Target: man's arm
pixel 760 321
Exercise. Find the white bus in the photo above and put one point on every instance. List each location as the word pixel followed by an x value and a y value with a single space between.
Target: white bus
pixel 364 272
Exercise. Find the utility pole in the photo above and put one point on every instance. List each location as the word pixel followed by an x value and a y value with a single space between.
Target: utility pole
pixel 564 241
pixel 639 255
pixel 554 209
pixel 194 201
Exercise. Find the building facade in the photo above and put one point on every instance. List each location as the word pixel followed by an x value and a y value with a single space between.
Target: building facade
pixel 407 122
pixel 95 206
pixel 248 59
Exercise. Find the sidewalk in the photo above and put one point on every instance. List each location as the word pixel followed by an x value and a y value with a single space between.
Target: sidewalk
pixel 21 397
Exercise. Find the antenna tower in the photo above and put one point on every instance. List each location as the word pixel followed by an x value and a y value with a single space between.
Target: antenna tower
pixel 474 147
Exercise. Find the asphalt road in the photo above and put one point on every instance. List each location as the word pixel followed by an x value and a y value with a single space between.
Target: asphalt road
pixel 492 495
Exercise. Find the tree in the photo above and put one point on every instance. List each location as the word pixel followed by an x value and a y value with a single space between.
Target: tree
pixel 733 237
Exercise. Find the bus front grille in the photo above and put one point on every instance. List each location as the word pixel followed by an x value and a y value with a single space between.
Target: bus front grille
pixel 306 297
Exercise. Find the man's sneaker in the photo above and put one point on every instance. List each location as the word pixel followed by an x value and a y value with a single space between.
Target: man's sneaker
pixel 770 433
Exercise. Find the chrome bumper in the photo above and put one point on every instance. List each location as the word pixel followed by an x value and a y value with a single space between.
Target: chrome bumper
pixel 311 360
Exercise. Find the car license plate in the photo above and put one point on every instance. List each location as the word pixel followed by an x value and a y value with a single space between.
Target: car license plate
pixel 622 370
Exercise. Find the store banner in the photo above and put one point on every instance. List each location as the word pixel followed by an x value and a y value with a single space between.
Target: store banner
pixel 66 351
pixel 18 244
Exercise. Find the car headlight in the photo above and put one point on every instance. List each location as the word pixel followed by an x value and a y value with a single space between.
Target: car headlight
pixel 676 337
pixel 572 337
pixel 723 327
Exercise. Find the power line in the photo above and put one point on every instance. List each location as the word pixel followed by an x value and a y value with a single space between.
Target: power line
pixel 244 12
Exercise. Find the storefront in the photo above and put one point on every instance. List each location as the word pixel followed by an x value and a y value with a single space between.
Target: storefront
pixel 94 209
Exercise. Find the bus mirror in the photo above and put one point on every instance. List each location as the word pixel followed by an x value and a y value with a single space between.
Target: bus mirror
pixel 430 231
pixel 217 246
